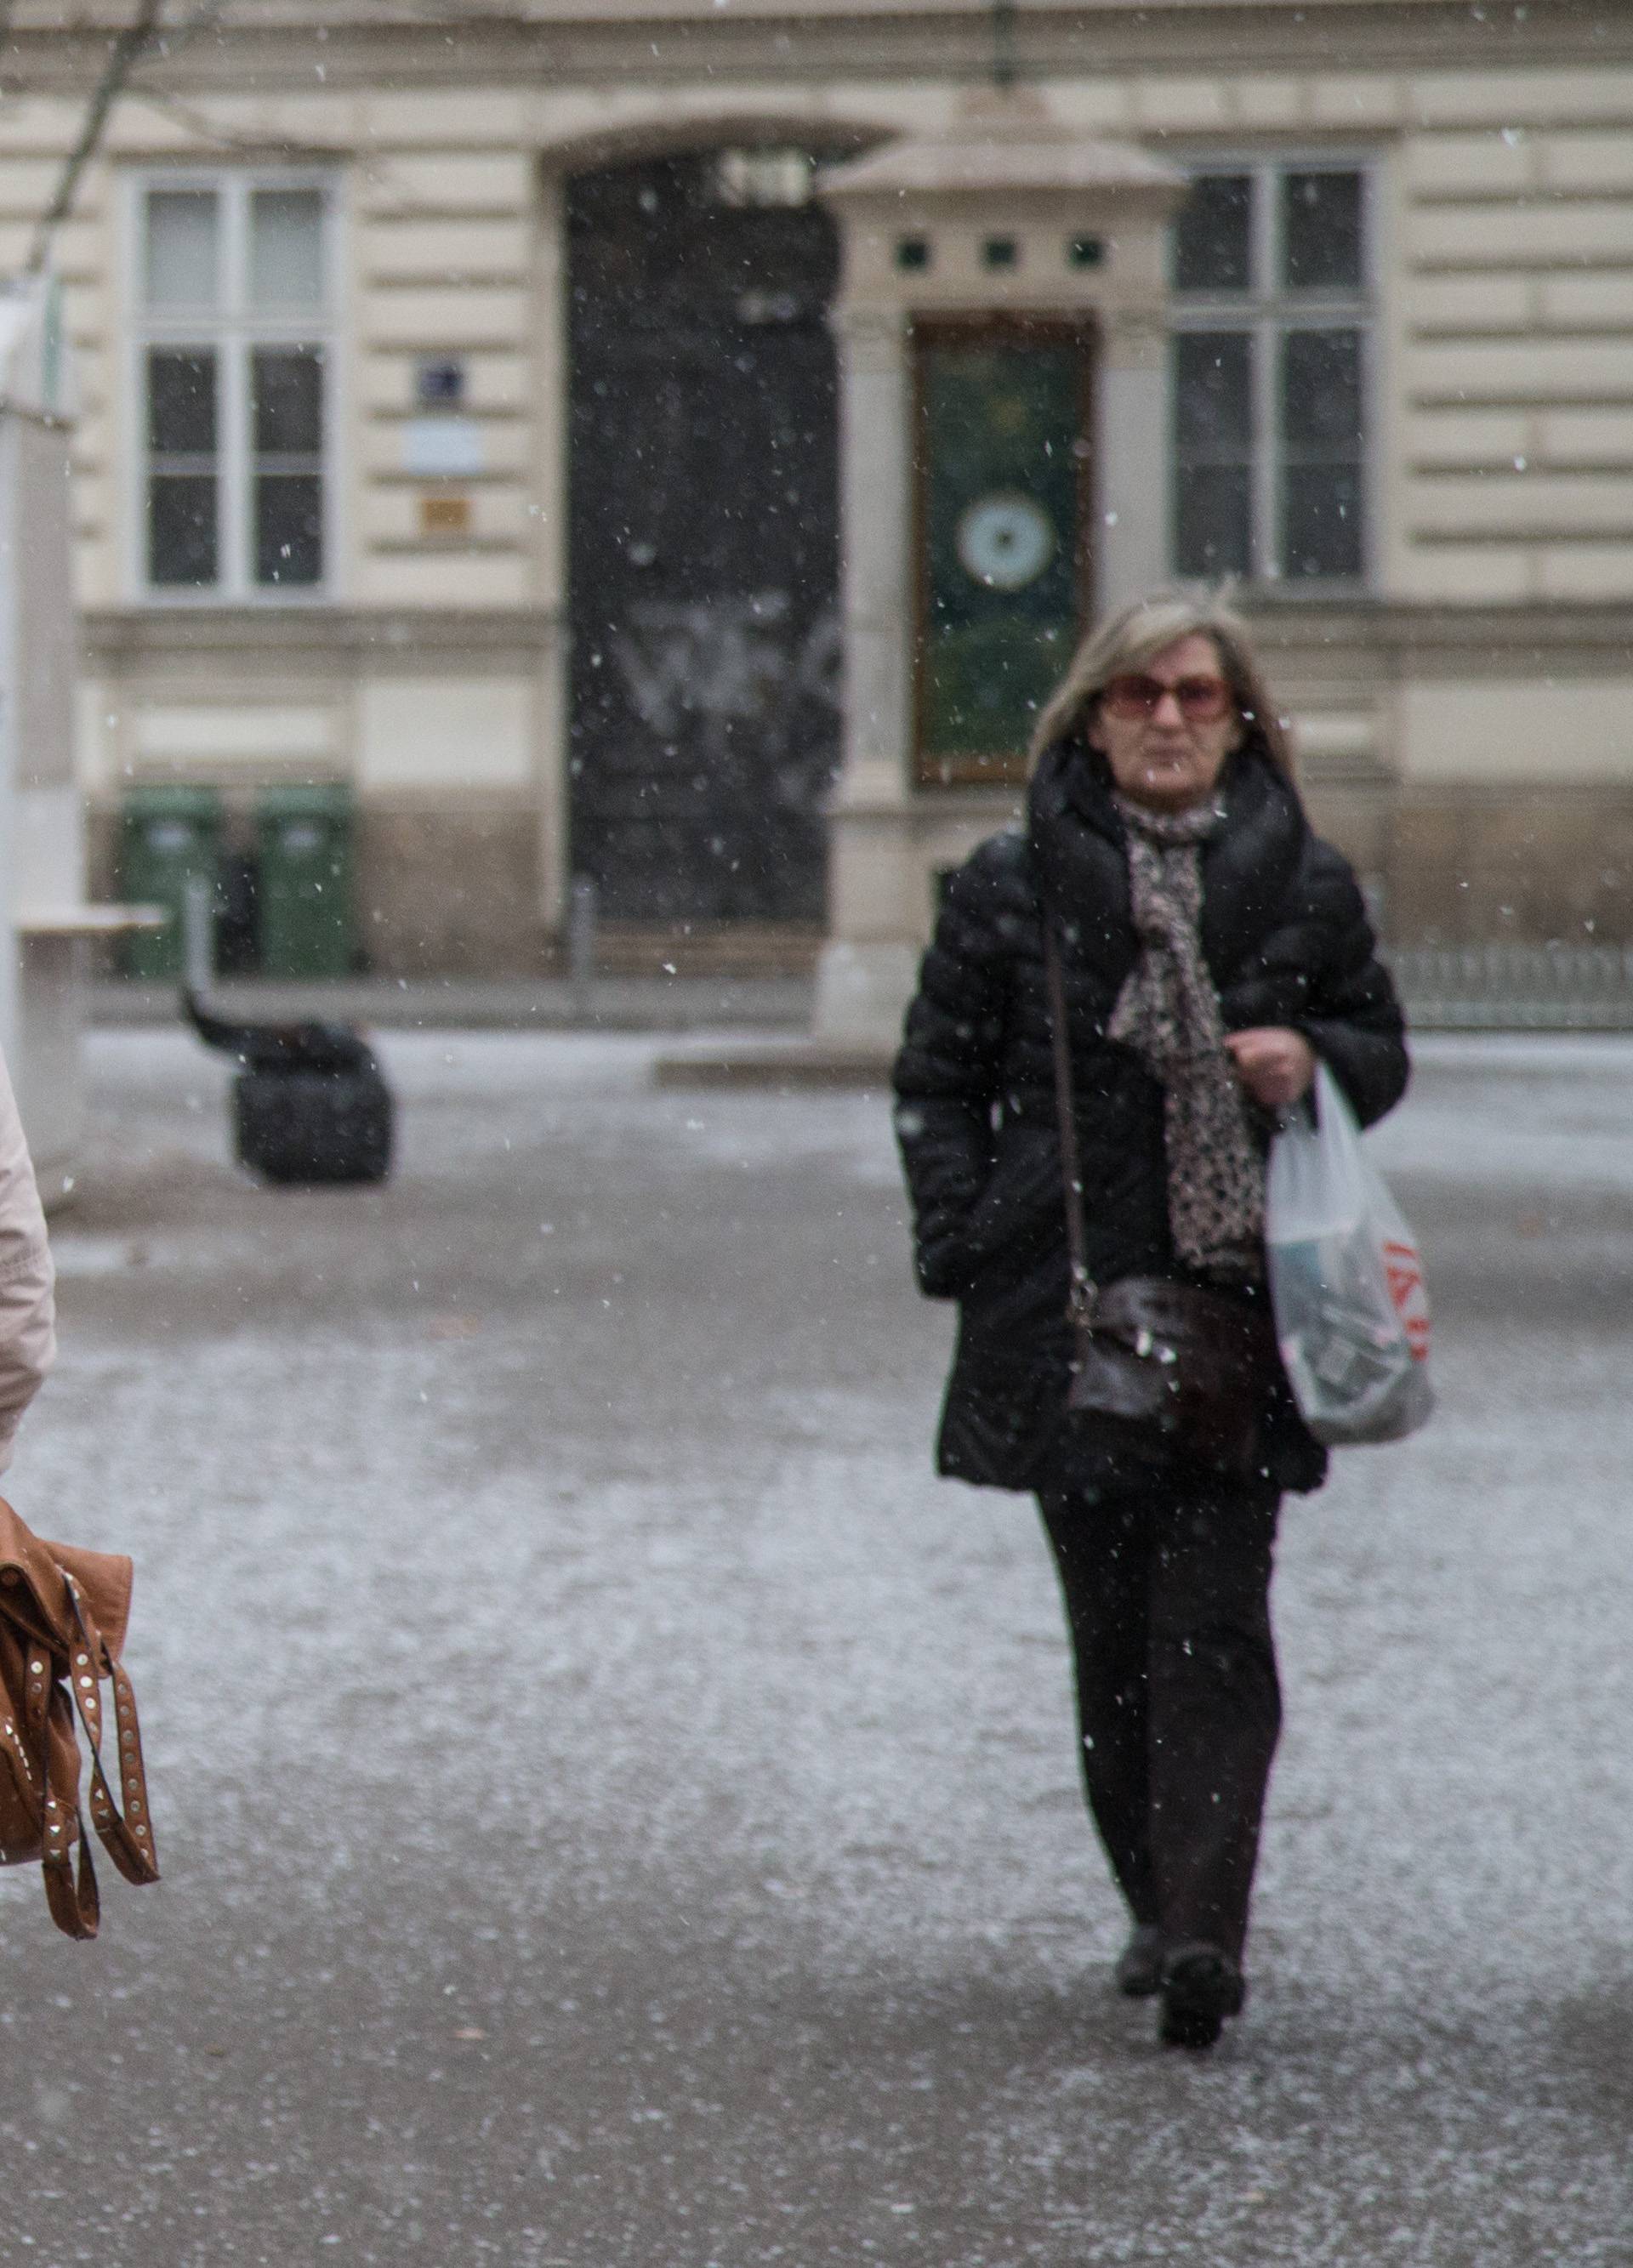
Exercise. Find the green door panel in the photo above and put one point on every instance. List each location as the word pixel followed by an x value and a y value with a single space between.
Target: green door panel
pixel 1003 490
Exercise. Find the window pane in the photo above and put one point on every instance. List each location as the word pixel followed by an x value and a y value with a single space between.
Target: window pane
pixel 1212 394
pixel 286 401
pixel 181 401
pixel 1322 419
pixel 289 528
pixel 286 247
pixel 1213 235
pixel 1321 390
pixel 183 230
pixel 1321 231
pixel 1321 520
pixel 1213 453
pixel 181 530
pixel 1213 521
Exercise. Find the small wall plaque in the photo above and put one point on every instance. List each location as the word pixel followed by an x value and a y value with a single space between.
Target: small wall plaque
pixel 445 515
pixel 440 382
pixel 443 448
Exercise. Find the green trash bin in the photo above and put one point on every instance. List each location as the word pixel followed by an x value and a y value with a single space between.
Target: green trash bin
pixel 304 835
pixel 168 837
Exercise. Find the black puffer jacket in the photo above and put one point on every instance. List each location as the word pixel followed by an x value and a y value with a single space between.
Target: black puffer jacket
pixel 1287 941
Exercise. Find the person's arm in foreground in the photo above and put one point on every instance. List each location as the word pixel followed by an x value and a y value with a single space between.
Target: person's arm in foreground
pixel 27 1308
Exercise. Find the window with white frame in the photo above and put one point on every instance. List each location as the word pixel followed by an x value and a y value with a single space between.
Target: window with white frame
pixel 233 290
pixel 1272 330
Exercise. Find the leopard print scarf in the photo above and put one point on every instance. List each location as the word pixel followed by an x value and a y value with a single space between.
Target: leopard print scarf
pixel 1168 1014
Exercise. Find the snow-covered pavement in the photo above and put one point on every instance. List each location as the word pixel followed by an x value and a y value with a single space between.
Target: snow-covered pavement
pixel 619 1810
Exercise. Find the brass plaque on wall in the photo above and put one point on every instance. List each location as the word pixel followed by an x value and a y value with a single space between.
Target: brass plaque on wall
pixel 1003 474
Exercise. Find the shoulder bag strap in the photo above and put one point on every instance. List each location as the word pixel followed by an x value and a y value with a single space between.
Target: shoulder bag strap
pixel 74 1903
pixel 127 1836
pixel 1084 1292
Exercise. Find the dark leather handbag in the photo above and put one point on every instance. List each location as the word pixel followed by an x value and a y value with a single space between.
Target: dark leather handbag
pixel 1187 1368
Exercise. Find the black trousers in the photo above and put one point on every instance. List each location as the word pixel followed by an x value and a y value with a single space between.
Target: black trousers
pixel 1167 1585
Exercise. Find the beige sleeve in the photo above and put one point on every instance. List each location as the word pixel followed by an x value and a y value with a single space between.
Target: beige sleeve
pixel 27 1309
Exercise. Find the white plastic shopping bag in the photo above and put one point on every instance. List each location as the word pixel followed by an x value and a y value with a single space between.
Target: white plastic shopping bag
pixel 1346 1283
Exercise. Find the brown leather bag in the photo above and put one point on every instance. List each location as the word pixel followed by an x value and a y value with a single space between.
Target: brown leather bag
pixel 1190 1366
pixel 63 1616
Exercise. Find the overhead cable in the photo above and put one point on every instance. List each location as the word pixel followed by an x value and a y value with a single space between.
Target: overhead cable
pixel 128 47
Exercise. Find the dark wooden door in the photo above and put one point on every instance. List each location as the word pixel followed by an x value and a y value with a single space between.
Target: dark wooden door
pixel 703 544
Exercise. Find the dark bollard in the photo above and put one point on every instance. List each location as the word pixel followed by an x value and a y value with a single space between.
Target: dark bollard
pixel 309 1103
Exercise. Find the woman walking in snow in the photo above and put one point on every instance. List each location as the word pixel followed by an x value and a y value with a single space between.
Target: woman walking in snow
pixel 1166 917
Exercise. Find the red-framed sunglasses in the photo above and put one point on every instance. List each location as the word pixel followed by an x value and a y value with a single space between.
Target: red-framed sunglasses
pixel 1135 697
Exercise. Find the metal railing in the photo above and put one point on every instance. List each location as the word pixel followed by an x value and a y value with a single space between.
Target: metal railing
pixel 1516 987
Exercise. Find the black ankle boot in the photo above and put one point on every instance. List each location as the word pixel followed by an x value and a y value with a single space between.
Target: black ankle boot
pixel 1201 1986
pixel 1139 1971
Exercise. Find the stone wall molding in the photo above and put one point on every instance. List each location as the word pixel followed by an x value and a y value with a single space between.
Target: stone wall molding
pixel 374 638
pixel 50 49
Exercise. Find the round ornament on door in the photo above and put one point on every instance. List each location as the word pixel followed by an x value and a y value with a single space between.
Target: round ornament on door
pixel 1005 541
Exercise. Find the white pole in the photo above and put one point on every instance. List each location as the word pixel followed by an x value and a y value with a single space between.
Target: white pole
pixel 198 936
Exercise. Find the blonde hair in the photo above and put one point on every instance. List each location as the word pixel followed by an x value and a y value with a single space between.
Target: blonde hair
pixel 1128 640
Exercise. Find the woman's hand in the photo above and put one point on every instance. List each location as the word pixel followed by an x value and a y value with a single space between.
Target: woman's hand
pixel 1275 1065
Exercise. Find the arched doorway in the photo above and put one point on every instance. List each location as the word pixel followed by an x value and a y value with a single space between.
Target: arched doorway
pixel 702 537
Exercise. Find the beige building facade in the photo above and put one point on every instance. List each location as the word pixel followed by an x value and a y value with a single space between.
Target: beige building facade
pixel 336 483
